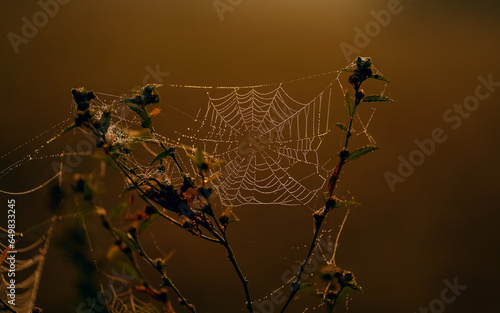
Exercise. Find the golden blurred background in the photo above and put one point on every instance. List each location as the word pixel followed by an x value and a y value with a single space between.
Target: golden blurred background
pixel 441 223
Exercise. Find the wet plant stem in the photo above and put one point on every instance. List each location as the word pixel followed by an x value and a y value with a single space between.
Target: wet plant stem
pixel 155 134
pixel 230 254
pixel 146 199
pixel 244 281
pixel 143 254
pixel 332 183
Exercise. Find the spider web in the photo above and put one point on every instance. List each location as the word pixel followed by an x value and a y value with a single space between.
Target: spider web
pixel 265 135
pixel 127 302
pixel 29 266
pixel 270 137
pixel 270 140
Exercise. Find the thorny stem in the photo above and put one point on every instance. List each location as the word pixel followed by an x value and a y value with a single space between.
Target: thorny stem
pixel 332 183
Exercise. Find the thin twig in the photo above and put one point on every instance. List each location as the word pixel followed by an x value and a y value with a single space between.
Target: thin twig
pixel 332 184
pixel 160 270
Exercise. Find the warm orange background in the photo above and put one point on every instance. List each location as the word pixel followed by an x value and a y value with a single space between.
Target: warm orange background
pixel 441 223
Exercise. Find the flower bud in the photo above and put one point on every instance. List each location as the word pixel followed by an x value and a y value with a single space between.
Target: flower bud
pixel 331 202
pixel 344 154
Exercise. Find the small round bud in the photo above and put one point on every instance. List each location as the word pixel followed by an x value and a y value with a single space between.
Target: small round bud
pixel 348 276
pixel 344 154
pixel 99 143
pixel 224 220
pixel 318 215
pixel 338 273
pixel 90 95
pixel 132 231
pixel 331 202
pixel 126 250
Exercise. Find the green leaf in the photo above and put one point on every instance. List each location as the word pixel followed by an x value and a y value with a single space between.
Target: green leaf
pixel 380 77
pixel 326 195
pixel 346 203
pixel 376 98
pixel 356 154
pixel 342 296
pixel 142 139
pixel 145 118
pixel 341 126
pixel 126 240
pixel 207 209
pixel 349 104
pixel 129 188
pixel 68 129
pixel 131 100
pixel 199 158
pixel 147 222
pixel 164 154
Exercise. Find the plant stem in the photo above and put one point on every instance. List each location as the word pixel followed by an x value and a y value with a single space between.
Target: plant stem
pixel 160 270
pixel 223 241
pixel 302 267
pixel 243 280
pixel 146 199
pixel 165 148
pixel 333 181
pixel 356 103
